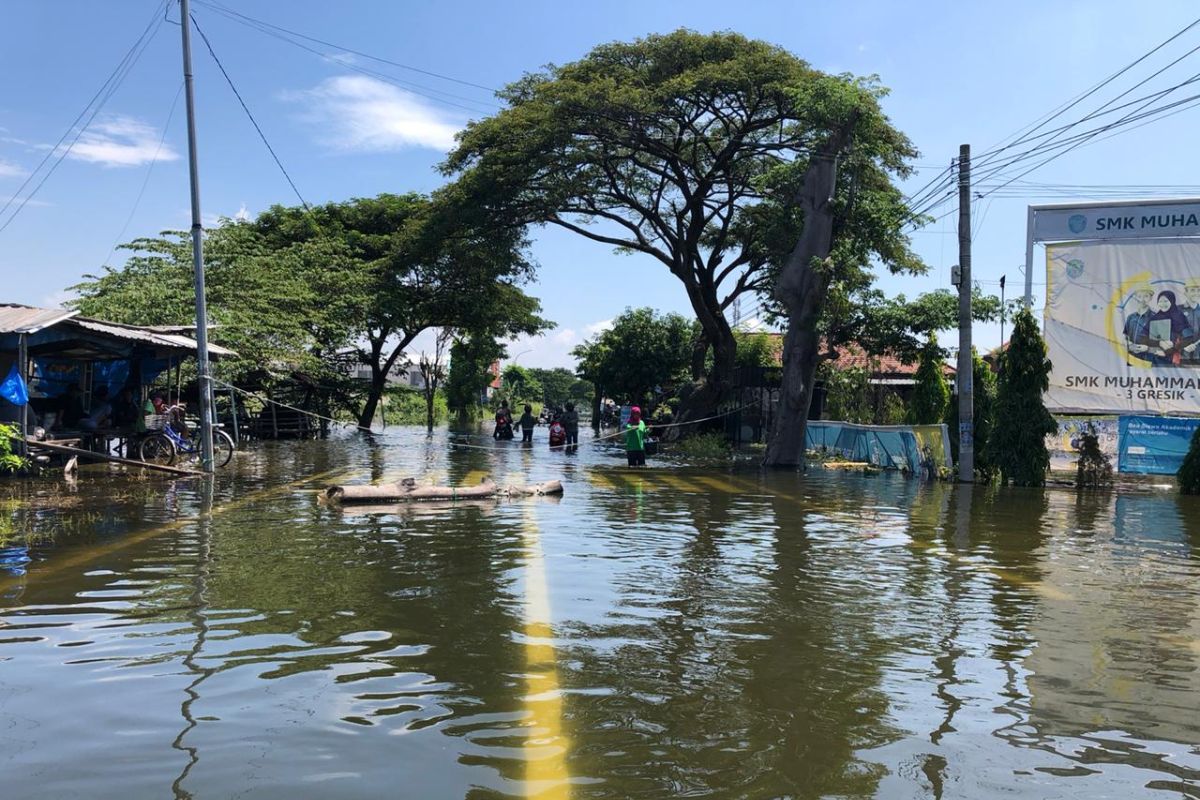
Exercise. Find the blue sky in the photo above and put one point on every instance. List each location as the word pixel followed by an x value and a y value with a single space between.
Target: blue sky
pixel 958 72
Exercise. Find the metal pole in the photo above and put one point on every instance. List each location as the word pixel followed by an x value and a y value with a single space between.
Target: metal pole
pixel 1002 310
pixel 966 399
pixel 206 420
pixel 23 370
pixel 1029 220
pixel 233 414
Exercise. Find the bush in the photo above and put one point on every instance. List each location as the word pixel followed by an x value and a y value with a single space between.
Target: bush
pixel 1189 470
pixel 9 461
pixel 931 395
pixel 1017 444
pixel 704 447
pixel 1095 467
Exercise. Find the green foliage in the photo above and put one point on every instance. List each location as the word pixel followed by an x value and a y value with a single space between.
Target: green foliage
pixel 732 119
pixel 471 358
pixel 984 392
pixel 291 288
pixel 406 406
pixel 10 461
pixel 1189 470
pixel 712 446
pixel 642 350
pixel 1095 467
pixel 559 385
pixel 851 397
pixel 518 386
pixel 931 395
pixel 757 349
pixel 1017 445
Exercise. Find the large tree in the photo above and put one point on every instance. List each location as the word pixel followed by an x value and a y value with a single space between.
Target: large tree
pixel 423 267
pixel 666 146
pixel 641 352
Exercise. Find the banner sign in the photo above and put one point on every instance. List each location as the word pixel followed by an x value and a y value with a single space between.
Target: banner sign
pixel 1063 445
pixel 1136 221
pixel 1122 326
pixel 1154 445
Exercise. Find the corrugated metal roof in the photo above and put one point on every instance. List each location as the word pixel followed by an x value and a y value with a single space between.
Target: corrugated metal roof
pixel 16 318
pixel 137 333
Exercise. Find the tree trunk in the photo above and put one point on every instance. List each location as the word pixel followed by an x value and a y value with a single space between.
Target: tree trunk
pixel 699 353
pixel 703 398
pixel 802 286
pixel 429 408
pixel 378 382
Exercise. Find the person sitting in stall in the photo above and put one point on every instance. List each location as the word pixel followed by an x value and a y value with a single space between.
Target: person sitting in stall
pixel 101 413
pixel 126 414
pixel 71 408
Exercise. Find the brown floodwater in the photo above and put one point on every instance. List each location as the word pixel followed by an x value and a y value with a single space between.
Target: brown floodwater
pixel 667 632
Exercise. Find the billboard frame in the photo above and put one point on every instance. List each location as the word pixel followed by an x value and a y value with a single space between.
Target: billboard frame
pixel 1032 212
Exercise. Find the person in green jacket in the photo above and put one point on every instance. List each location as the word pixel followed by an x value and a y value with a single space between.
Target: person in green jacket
pixel 635 438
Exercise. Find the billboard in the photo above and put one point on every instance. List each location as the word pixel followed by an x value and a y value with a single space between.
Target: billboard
pixel 1122 326
pixel 1154 445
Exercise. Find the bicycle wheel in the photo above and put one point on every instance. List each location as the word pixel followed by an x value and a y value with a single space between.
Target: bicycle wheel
pixel 223 448
pixel 157 449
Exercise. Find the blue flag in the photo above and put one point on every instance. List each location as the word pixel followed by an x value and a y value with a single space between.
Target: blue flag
pixel 13 389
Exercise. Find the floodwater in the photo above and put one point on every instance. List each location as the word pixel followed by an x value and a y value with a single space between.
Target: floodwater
pixel 669 632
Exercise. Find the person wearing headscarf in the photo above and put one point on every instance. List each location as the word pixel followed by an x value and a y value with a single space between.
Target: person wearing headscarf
pixel 635 438
pixel 1191 310
pixel 1168 327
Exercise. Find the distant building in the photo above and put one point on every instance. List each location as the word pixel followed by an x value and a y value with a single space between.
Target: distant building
pixel 403 372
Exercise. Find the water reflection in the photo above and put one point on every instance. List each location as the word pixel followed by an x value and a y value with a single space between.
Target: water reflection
pixel 699 633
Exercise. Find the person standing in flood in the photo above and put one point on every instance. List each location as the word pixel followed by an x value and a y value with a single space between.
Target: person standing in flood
pixel 527 423
pixel 570 421
pixel 635 438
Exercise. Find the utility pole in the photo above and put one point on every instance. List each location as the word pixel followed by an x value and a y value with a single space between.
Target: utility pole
pixel 206 399
pixel 966 397
pixel 1002 310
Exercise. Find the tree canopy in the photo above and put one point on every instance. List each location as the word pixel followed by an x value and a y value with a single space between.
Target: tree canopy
pixel 680 147
pixel 642 351
pixel 292 288
pixel 1017 444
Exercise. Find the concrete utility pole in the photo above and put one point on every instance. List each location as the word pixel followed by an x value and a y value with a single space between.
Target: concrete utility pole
pixel 205 381
pixel 966 395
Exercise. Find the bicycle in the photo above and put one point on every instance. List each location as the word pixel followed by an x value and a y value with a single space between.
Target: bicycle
pixel 165 444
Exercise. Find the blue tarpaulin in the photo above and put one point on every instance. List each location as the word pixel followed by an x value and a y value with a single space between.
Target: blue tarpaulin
pixel 1153 445
pixel 887 446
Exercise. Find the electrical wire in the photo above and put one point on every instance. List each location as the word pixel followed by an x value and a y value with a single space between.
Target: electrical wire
pixel 149 172
pixel 477 106
pixel 94 105
pixel 229 11
pixel 246 108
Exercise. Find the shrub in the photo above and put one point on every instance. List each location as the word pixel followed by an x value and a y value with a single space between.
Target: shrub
pixel 1095 467
pixel 1189 470
pixel 1017 444
pixel 10 461
pixel 931 395
pixel 704 447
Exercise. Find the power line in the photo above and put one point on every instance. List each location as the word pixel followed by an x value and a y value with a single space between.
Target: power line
pixel 149 172
pixel 94 105
pixel 477 106
pixel 245 108
pixel 229 11
pixel 984 158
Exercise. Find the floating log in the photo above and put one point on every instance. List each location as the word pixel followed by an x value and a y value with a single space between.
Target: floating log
pixel 407 490
pixel 79 453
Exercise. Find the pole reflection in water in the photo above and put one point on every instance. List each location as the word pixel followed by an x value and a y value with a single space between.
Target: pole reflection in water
pixel 198 616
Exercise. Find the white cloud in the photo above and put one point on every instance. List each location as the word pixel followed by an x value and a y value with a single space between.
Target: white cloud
pixel 58 299
pixel 10 170
pixel 357 113
pixel 242 214
pixel 598 327
pixel 121 142
pixel 564 336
